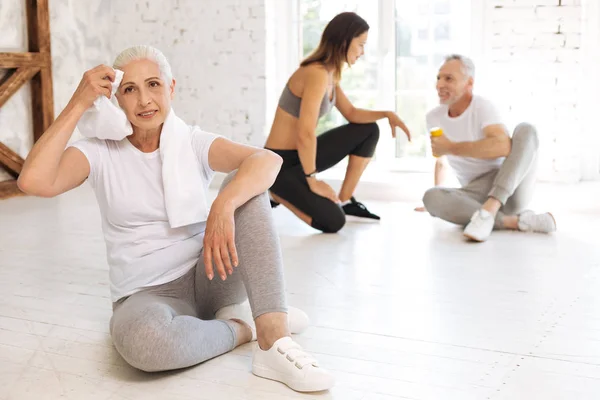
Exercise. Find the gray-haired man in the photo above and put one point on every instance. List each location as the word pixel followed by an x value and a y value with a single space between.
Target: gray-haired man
pixel 496 172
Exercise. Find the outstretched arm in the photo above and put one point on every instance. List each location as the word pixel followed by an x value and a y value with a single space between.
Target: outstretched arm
pixel 362 116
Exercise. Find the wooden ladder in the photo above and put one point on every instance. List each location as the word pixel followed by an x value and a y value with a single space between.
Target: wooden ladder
pixel 35 66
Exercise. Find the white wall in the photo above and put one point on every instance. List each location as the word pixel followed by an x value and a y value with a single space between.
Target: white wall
pixel 590 81
pixel 216 48
pixel 217 52
pixel 533 63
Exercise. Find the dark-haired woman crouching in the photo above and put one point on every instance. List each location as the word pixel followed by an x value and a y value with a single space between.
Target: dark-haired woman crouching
pixel 311 92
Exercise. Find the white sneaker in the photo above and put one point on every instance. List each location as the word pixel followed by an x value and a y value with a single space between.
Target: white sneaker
pixel 480 227
pixel 288 363
pixel 297 319
pixel 532 222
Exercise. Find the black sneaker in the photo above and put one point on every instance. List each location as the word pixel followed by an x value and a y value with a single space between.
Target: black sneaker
pixel 358 209
pixel 273 203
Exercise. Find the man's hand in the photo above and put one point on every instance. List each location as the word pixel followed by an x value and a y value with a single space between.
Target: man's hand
pixel 441 145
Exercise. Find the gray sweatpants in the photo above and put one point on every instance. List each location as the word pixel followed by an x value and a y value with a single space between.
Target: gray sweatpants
pixel 512 184
pixel 172 326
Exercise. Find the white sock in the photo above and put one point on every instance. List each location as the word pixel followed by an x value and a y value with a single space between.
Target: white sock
pixel 345 202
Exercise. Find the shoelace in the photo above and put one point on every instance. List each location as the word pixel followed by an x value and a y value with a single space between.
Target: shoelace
pixel 298 356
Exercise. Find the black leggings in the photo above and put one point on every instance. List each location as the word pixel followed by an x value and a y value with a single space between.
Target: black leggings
pixel 332 146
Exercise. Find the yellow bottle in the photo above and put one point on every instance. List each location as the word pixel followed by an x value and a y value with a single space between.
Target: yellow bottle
pixel 435 132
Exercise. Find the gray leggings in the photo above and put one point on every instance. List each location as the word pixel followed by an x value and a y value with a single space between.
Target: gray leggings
pixel 172 326
pixel 512 184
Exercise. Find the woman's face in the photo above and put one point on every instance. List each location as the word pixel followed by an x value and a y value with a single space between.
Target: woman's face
pixel 144 95
pixel 357 48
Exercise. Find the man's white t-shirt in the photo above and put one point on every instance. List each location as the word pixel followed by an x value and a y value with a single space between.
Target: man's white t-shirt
pixel 142 249
pixel 467 127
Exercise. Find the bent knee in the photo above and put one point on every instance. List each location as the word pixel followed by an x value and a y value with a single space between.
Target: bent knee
pixel 372 130
pixel 369 134
pixel 433 199
pixel 142 337
pixel 140 347
pixel 526 132
pixel 331 222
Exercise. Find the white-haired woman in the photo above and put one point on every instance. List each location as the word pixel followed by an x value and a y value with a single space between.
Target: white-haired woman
pixel 166 304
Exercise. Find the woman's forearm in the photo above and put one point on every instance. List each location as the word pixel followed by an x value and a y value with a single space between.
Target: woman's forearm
pixel 307 151
pixel 41 164
pixel 362 116
pixel 255 175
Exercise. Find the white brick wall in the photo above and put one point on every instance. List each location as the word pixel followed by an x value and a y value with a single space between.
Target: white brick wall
pixel 217 52
pixel 533 66
pixel 590 81
pixel 216 48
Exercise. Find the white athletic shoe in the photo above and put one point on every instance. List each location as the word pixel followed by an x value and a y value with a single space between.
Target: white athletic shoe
pixel 532 222
pixel 297 319
pixel 480 227
pixel 288 363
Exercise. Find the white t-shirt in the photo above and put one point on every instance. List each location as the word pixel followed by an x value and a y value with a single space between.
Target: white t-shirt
pixel 467 127
pixel 142 249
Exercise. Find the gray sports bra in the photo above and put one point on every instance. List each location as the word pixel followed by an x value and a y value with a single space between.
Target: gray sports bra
pixel 290 103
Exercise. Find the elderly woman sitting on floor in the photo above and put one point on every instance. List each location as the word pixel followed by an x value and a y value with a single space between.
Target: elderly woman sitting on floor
pixel 170 311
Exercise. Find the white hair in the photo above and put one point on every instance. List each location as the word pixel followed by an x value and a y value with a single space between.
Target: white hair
pixel 468 67
pixel 145 52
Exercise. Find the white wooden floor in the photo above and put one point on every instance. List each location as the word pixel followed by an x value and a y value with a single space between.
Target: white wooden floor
pixel 404 309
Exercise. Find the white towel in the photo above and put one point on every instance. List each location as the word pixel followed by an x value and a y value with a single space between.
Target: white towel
pixel 185 197
pixel 105 119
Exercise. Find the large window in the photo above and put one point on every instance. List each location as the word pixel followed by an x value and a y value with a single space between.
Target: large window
pixel 426 31
pixel 407 42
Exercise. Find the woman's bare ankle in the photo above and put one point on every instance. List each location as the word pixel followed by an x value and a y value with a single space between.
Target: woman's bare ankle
pixel 270 328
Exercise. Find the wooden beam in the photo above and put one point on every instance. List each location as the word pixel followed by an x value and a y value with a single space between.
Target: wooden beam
pixel 10 160
pixel 16 60
pixel 9 189
pixel 34 65
pixel 38 23
pixel 15 81
pixel 38 26
pixel 42 102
